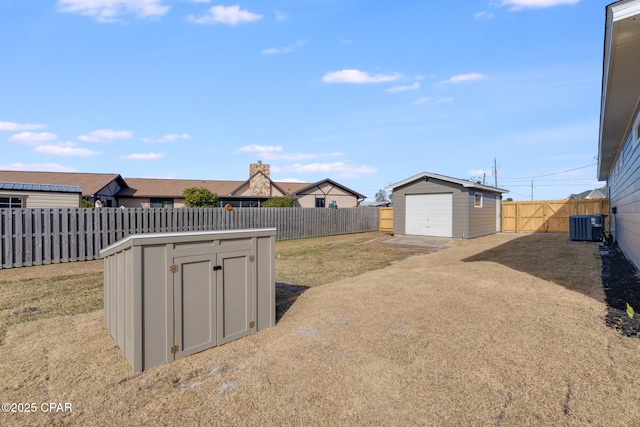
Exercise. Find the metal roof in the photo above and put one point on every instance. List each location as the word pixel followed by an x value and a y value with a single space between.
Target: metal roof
pixel 24 186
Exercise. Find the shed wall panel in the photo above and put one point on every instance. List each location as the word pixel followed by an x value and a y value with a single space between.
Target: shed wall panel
pixel 156 327
pixel 266 296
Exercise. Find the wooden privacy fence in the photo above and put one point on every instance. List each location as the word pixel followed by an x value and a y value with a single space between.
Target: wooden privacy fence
pixel 548 216
pixel 45 236
pixel 386 219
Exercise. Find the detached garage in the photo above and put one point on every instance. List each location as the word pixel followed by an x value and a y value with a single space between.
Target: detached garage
pixel 429 204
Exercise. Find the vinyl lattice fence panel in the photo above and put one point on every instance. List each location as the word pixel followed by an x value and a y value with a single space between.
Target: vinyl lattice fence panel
pixel 54 235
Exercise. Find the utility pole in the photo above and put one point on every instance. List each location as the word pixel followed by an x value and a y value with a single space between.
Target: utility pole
pixel 532 190
pixel 484 178
pixel 495 171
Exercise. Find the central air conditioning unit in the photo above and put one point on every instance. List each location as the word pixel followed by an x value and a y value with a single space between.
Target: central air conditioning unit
pixel 586 227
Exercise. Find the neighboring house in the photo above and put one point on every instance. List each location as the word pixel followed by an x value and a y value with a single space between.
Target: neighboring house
pixel 27 195
pixel 619 140
pixel 598 193
pixel 115 191
pixel 327 193
pixel 429 204
pixel 94 186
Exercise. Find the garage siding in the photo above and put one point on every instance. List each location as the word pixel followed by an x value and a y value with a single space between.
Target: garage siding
pixel 482 221
pixel 433 186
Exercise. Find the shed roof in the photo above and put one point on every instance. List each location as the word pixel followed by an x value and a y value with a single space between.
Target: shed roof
pixel 23 186
pixel 620 83
pixel 462 182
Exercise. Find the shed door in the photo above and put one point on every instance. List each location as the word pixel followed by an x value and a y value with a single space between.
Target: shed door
pixel 235 296
pixel 213 300
pixel 195 302
pixel 429 215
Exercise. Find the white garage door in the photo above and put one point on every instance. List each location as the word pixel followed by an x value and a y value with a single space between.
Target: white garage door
pixel 429 215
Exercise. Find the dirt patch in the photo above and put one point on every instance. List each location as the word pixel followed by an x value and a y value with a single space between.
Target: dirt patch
pixel 455 337
pixel 621 284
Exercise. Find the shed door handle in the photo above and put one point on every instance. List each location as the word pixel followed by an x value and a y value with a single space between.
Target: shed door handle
pixel 217 267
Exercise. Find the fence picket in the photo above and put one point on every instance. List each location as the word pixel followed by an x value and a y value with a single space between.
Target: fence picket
pixel 54 235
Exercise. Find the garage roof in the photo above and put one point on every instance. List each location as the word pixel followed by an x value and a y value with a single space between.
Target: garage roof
pixel 462 182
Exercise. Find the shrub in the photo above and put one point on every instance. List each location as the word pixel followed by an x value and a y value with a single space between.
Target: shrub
pixel 280 202
pixel 199 197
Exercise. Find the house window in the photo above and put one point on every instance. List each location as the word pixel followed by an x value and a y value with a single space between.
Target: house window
pixel 320 202
pixel 11 202
pixel 161 203
pixel 477 200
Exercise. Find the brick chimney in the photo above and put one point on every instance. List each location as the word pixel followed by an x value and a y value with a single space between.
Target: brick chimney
pixel 259 185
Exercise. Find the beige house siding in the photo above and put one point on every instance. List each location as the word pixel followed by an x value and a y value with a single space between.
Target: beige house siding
pixel 45 199
pixel 330 192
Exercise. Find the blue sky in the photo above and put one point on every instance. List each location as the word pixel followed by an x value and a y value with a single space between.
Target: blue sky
pixel 366 93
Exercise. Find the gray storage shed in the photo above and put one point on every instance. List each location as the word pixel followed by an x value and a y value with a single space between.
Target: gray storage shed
pixel 169 295
pixel 428 204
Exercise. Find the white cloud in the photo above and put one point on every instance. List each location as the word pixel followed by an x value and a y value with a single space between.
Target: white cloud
pixel 14 127
pixel 143 156
pixel 42 167
pixel 479 172
pixel 103 135
pixel 536 4
pixel 483 15
pixel 357 76
pixel 109 10
pixel 413 86
pixel 432 101
pixel 65 149
pixel 465 78
pixel 299 156
pixel 286 49
pixel 167 138
pixel 338 169
pixel 274 152
pixel 231 15
pixel 281 16
pixel 253 148
pixel 31 138
pixel 290 180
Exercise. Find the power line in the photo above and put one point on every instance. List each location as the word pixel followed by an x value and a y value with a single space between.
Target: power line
pixel 555 173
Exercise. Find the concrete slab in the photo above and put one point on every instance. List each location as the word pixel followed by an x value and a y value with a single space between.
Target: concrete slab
pixel 436 242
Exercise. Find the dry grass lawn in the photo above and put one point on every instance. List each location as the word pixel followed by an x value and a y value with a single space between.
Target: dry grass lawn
pixel 504 330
